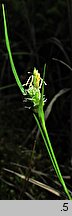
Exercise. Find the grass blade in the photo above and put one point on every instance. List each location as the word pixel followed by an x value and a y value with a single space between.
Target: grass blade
pixel 9 52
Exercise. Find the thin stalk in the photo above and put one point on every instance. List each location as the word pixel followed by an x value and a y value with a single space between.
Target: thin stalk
pixel 54 158
pixel 50 151
pixel 10 54
pixel 45 141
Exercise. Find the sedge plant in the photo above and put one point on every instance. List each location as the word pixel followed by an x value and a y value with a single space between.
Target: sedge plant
pixel 34 92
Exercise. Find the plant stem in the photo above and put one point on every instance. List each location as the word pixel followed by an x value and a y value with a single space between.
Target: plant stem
pixel 50 151
pixel 45 141
pixel 10 54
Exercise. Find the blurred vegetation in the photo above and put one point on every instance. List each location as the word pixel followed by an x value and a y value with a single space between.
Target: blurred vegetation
pixel 38 31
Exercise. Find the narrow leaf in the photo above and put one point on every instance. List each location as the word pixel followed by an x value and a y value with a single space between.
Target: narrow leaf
pixel 10 54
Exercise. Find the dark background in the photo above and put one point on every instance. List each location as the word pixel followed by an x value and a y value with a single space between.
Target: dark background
pixel 38 31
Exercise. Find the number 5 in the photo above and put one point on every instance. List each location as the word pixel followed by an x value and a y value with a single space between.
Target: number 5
pixel 65 207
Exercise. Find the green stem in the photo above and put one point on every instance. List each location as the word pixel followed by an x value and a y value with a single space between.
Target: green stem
pixel 45 141
pixel 10 54
pixel 50 151
pixel 54 158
